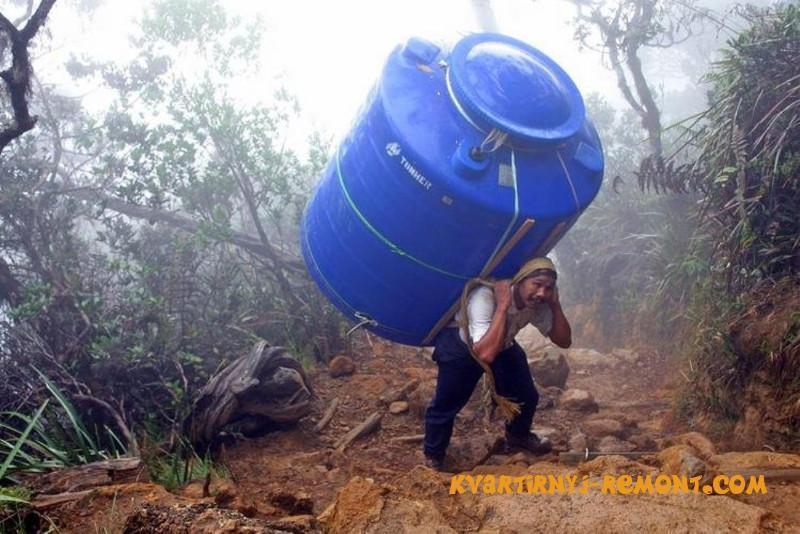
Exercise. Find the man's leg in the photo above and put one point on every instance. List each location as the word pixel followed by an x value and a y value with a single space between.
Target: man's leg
pixel 455 382
pixel 513 378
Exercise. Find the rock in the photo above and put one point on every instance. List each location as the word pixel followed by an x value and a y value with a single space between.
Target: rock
pixel 615 465
pixel 295 523
pixel 550 370
pixel 599 428
pixel 625 355
pixel 548 432
pixel 399 394
pixel 466 453
pixel 341 366
pixel 680 460
pixel 546 402
pixel 200 518
pixel 588 357
pixel 643 442
pixel 614 444
pixel 578 442
pixel 419 501
pixel 577 400
pixel 420 397
pixel 701 445
pixel 398 407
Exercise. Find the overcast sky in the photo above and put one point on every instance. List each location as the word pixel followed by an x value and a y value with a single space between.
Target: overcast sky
pixel 328 54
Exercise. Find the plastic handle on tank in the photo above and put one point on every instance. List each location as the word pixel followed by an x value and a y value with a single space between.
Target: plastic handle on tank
pixel 469 161
pixel 420 50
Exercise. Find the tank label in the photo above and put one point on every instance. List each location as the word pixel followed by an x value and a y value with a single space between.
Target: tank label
pixel 394 150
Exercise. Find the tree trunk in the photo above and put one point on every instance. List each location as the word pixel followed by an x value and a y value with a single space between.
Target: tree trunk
pixel 264 387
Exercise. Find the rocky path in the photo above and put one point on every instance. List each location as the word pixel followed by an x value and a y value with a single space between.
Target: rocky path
pixel 305 480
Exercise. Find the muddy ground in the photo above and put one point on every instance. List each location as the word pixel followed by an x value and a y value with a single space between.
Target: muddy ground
pixel 294 480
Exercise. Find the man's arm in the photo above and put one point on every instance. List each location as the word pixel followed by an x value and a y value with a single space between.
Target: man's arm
pixel 491 343
pixel 560 332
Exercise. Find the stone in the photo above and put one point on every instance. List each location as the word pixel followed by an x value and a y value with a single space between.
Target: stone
pixel 398 407
pixel 599 428
pixel 547 432
pixel 419 501
pixel 680 460
pixel 578 442
pixel 578 400
pixel 420 397
pixel 614 444
pixel 625 355
pixel 701 445
pixel 643 442
pixel 468 452
pixel 398 394
pixel 588 357
pixel 341 366
pixel 550 370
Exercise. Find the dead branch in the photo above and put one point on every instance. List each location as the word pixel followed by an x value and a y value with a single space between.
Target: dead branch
pixel 116 416
pixel 371 424
pixel 185 223
pixel 327 416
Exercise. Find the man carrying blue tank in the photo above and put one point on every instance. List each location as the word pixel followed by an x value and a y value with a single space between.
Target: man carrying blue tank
pixel 481 340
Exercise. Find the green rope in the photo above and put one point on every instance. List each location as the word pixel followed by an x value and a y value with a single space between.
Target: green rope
pixel 393 247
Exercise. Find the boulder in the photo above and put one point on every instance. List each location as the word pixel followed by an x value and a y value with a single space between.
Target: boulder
pixel 578 400
pixel 468 452
pixel 600 428
pixel 550 370
pixel 341 365
pixel 588 357
pixel 420 397
pixel 680 460
pixel 701 445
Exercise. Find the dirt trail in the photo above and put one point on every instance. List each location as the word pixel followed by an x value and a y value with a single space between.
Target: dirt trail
pixel 377 484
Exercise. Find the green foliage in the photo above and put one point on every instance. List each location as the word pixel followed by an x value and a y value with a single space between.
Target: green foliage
pixel 743 155
pixel 183 465
pixel 633 257
pixel 52 438
pixel 139 311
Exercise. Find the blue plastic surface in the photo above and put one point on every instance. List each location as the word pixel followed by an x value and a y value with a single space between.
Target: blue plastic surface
pixel 403 215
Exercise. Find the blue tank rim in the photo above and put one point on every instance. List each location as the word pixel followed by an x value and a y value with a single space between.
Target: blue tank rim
pixel 466 96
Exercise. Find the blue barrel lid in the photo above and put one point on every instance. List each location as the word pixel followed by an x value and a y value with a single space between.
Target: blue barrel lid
pixel 501 82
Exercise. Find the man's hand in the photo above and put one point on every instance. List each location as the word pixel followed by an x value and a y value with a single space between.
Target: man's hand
pixel 502 295
pixel 560 332
pixel 553 300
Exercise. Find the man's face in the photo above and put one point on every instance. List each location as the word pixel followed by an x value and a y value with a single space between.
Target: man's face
pixel 534 290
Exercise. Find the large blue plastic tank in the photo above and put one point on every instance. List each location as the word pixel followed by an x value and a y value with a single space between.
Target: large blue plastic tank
pixel 407 210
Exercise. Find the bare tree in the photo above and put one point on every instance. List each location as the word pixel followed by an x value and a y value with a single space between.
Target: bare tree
pixel 17 77
pixel 626 27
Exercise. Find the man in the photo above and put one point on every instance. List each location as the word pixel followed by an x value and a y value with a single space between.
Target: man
pixel 495 316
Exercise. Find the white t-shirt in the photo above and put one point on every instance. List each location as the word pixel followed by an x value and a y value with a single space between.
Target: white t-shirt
pixel 481 307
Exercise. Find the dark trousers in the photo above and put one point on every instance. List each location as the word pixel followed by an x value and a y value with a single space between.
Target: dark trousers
pixel 458 375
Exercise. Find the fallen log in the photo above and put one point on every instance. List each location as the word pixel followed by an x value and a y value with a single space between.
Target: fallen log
pixel 264 387
pixel 42 502
pixel 93 475
pixel 414 438
pixel 372 423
